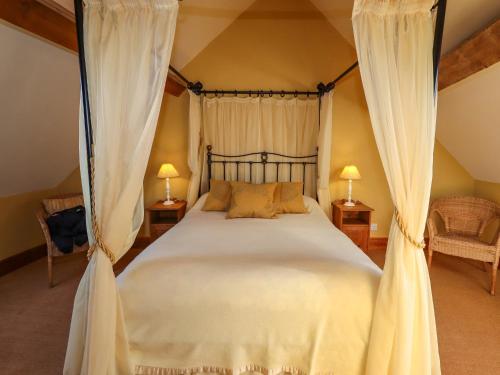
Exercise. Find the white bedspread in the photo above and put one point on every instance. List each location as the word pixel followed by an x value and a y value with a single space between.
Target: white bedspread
pixel 244 295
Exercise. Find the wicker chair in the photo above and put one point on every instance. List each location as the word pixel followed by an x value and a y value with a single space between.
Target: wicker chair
pixel 51 205
pixel 464 219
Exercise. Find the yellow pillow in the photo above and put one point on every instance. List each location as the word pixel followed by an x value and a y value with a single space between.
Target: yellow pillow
pixel 252 200
pixel 219 197
pixel 288 198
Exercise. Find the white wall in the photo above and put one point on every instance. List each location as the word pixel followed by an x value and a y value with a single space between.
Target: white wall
pixel 468 123
pixel 39 101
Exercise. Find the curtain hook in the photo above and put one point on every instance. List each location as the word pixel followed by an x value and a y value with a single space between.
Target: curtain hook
pixel 235 92
pixel 271 94
pixel 308 94
pixel 295 93
pixel 282 94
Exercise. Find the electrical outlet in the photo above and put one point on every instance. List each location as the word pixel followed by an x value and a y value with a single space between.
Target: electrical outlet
pixel 374 227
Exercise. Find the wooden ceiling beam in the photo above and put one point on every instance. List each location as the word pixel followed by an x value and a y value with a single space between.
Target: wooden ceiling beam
pixel 475 54
pixel 39 19
pixel 45 21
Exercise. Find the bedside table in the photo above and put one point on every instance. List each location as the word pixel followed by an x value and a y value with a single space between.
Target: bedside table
pixel 160 218
pixel 353 221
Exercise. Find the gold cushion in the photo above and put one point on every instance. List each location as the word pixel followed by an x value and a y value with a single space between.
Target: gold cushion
pixel 288 198
pixel 219 197
pixel 252 200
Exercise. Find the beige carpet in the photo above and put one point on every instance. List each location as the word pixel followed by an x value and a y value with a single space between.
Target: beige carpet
pixel 34 320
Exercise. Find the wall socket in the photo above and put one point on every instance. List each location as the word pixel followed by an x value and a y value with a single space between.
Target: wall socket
pixel 374 227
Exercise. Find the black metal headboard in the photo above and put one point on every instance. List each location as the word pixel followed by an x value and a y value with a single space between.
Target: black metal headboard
pixel 262 159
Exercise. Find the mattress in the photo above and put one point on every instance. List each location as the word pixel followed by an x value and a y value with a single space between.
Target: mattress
pixel 217 295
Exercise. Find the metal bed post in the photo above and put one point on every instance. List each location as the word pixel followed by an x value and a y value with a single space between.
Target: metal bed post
pixel 89 140
pixel 438 37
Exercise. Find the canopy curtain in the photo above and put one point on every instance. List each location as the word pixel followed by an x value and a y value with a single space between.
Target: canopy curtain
pixel 127 51
pixel 394 41
pixel 325 153
pixel 195 152
pixel 235 126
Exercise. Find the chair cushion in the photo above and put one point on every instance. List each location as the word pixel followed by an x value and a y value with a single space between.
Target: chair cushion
pixel 464 225
pixel 457 241
pixel 52 205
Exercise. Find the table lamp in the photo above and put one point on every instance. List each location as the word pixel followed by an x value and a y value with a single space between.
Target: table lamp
pixel 350 172
pixel 167 171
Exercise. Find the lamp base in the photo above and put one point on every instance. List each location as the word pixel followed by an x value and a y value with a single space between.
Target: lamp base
pixel 168 202
pixel 349 204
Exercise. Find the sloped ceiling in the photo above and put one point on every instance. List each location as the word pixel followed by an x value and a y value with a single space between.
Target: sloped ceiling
pixel 198 23
pixel 463 18
pixel 468 123
pixel 39 99
pixel 40 84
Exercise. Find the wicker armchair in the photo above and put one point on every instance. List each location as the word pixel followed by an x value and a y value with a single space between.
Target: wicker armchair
pixel 49 206
pixel 464 219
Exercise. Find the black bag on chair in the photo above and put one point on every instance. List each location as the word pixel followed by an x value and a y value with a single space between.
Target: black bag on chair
pixel 68 228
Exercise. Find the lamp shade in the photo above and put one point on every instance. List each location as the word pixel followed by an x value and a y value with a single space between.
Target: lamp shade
pixel 350 172
pixel 167 170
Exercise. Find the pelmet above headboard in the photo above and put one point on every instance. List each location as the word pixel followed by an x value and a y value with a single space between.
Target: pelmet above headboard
pixel 263 167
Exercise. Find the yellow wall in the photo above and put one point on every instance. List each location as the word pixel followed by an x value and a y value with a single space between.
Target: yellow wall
pixel 487 190
pixel 294 48
pixel 19 228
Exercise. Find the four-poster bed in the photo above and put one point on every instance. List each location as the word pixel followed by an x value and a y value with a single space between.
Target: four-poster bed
pixel 297 295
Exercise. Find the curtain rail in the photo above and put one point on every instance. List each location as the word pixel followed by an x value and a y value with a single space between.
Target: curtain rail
pixel 257 92
pixel 178 74
pixel 322 88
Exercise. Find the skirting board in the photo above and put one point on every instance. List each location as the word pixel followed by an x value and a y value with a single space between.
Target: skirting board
pixel 21 259
pixel 24 258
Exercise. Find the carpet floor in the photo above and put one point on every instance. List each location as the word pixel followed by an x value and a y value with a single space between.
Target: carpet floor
pixel 34 320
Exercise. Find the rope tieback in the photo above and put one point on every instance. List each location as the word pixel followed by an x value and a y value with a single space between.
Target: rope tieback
pixel 98 241
pixel 404 231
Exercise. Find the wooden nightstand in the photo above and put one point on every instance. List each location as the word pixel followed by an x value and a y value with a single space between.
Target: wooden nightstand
pixel 353 221
pixel 160 218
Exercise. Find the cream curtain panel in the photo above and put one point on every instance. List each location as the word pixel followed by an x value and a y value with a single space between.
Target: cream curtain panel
pixel 195 152
pixel 127 47
pixel 325 152
pixel 235 126
pixel 394 41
